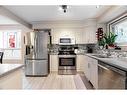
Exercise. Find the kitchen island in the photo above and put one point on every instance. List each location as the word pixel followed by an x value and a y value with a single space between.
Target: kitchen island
pixel 11 76
pixel 8 68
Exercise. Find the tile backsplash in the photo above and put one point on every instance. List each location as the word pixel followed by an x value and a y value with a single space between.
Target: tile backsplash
pixel 54 48
pixel 81 48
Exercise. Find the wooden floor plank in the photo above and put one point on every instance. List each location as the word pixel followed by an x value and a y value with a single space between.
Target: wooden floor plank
pixel 52 81
pixel 78 82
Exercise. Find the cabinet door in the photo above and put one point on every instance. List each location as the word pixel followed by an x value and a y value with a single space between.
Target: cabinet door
pixel 86 69
pixel 53 62
pixel 55 36
pixel 89 35
pixel 85 37
pixel 79 37
pixel 80 63
pixel 94 73
pixel 92 34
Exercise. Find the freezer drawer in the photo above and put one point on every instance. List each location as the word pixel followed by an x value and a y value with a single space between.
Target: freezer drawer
pixel 36 67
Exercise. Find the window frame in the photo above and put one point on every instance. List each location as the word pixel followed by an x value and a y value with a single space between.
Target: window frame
pixel 116 21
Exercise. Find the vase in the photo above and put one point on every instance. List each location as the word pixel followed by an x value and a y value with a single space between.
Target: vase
pixel 110 47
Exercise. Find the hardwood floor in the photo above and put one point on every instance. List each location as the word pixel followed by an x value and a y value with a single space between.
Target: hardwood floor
pixel 52 81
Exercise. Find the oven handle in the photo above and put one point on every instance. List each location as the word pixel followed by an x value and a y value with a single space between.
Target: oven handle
pixel 66 57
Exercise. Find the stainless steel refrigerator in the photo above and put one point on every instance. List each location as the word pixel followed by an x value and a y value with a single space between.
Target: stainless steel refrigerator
pixel 36 58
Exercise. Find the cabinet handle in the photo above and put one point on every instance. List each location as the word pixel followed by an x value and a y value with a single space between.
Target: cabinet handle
pixel 88 65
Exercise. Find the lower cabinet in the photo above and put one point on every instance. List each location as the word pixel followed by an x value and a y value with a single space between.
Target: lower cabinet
pixel 91 70
pixel 94 72
pixel 12 80
pixel 53 62
pixel 80 63
pixel 87 69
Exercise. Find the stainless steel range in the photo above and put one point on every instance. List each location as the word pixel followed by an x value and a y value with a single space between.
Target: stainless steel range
pixel 67 60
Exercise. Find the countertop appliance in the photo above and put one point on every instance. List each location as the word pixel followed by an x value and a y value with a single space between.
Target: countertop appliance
pixel 89 49
pixel 67 60
pixel 37 58
pixel 110 77
pixel 66 41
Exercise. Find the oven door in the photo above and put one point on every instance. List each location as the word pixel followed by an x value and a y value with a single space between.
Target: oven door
pixel 67 62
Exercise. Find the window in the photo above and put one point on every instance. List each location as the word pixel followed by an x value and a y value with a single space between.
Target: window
pixel 120 29
pixel 10 39
pixel 10 43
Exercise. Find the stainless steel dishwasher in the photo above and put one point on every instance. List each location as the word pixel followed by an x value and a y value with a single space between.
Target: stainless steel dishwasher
pixel 110 77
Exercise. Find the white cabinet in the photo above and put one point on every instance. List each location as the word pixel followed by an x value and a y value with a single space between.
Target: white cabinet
pixel 87 70
pixel 91 70
pixel 79 37
pixel 82 36
pixel 76 33
pixel 55 36
pixel 89 35
pixel 12 81
pixel 53 62
pixel 80 63
pixel 58 33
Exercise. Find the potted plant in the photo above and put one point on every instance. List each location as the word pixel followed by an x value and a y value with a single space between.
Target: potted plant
pixel 110 38
pixel 101 43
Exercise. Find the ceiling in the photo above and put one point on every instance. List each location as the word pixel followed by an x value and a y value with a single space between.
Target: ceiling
pixel 36 13
pixel 7 21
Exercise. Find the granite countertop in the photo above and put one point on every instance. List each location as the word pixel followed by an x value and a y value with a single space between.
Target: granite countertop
pixel 120 63
pixel 53 53
pixel 79 53
pixel 7 68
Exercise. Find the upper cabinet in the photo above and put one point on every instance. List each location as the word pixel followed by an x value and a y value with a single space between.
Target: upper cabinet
pixel 79 36
pixel 55 36
pixel 58 33
pixel 89 35
pixel 82 36
pixel 86 35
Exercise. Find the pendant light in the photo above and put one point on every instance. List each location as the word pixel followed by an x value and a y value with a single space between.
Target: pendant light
pixel 63 8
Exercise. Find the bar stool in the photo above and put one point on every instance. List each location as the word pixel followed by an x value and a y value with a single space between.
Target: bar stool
pixel 1 57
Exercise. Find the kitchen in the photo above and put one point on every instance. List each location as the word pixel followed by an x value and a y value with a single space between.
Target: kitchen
pixel 63 51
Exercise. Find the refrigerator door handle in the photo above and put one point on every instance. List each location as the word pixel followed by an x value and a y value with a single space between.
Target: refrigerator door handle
pixel 35 44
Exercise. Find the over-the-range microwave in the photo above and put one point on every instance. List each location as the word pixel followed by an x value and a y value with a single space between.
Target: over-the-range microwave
pixel 66 41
